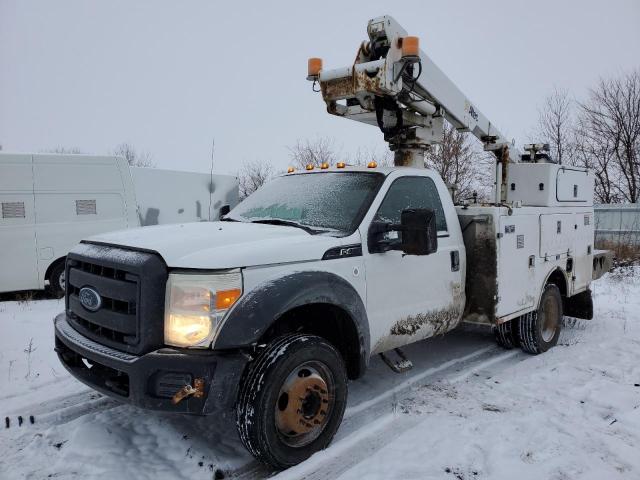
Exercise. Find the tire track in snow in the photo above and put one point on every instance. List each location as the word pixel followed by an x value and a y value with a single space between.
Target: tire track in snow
pixel 370 421
pixel 64 409
pixel 374 427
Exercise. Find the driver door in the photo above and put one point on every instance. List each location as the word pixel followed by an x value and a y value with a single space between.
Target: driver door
pixel 410 297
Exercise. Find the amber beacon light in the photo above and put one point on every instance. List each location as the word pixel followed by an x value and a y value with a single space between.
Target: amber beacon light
pixel 313 68
pixel 410 46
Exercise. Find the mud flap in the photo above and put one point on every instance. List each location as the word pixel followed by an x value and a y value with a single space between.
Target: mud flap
pixel 401 365
pixel 579 306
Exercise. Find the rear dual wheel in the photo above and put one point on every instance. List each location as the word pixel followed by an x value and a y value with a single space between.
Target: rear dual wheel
pixel 537 331
pixel 292 400
pixel 540 330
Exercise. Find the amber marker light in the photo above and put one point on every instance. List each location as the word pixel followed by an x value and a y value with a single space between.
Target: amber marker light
pixel 372 165
pixel 309 167
pixel 291 170
pixel 324 165
pixel 341 165
pixel 226 298
pixel 410 46
pixel 314 65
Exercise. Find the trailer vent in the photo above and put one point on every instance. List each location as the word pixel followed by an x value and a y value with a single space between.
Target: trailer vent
pixel 13 210
pixel 86 207
pixel 520 241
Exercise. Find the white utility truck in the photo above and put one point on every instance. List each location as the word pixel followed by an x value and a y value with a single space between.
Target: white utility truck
pixel 51 202
pixel 264 316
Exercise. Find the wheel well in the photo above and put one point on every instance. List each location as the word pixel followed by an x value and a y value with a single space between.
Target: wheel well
pixel 559 279
pixel 53 265
pixel 327 321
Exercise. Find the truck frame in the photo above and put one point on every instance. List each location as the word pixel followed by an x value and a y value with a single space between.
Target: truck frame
pixel 262 318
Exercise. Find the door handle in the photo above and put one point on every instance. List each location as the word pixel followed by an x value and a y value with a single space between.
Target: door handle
pixel 455 260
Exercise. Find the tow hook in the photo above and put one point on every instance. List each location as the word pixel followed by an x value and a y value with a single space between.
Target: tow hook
pixel 197 391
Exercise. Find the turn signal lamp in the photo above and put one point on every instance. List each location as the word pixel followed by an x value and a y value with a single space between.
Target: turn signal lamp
pixel 291 170
pixel 309 167
pixel 226 298
pixel 314 66
pixel 324 165
pixel 341 164
pixel 410 46
pixel 372 165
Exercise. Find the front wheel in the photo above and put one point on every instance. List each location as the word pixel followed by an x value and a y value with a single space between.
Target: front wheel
pixel 57 280
pixel 292 400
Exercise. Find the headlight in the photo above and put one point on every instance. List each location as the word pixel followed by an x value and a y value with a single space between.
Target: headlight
pixel 195 306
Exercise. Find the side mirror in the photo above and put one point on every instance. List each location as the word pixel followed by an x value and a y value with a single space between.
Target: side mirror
pixel 224 210
pixel 418 231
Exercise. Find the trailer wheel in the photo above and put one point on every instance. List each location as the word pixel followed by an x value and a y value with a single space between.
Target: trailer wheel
pixel 57 280
pixel 506 334
pixel 292 400
pixel 539 330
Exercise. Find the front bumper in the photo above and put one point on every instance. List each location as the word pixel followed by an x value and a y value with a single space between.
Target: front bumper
pixel 150 380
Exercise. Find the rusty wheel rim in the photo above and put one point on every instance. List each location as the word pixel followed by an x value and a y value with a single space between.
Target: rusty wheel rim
pixel 550 319
pixel 304 404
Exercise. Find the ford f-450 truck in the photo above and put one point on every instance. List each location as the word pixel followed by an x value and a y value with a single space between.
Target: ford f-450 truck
pixel 267 313
pixel 264 316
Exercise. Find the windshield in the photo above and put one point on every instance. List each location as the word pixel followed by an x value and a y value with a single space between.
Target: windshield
pixel 320 201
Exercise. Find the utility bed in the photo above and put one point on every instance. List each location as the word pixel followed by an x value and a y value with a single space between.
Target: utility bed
pixel 512 251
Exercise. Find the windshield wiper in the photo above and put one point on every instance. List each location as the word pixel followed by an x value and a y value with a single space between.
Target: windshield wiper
pixel 288 223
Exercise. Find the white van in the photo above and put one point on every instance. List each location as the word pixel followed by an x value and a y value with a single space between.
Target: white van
pixel 50 202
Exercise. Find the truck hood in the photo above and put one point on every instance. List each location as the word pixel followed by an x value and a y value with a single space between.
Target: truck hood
pixel 222 245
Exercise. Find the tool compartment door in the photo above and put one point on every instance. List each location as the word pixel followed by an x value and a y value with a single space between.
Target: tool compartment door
pixel 517 244
pixel 557 234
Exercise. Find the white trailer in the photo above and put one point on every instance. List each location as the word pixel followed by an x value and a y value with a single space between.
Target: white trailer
pixel 50 202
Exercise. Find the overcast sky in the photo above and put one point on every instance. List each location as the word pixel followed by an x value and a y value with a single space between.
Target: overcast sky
pixel 168 76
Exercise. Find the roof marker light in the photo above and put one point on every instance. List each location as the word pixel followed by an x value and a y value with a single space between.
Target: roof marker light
pixel 341 165
pixel 324 165
pixel 309 167
pixel 372 164
pixel 291 170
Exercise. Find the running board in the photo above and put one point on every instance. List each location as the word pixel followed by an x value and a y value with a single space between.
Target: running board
pixel 403 364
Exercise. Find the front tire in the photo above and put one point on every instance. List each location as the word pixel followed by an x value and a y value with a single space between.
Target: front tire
pixel 57 280
pixel 292 400
pixel 540 330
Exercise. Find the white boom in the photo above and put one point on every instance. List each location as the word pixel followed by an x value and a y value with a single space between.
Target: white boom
pixel 396 86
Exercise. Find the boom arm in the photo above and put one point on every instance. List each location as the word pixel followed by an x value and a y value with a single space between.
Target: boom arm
pixel 396 86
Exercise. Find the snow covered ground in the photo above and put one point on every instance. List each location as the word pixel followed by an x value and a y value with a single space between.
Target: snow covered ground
pixel 468 410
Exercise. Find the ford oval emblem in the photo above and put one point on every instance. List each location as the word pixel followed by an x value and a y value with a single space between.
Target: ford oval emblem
pixel 90 299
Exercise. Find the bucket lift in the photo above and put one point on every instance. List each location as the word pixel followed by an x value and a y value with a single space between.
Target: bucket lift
pixel 395 86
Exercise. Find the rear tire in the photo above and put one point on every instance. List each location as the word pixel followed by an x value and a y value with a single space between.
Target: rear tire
pixel 540 330
pixel 506 334
pixel 292 400
pixel 57 280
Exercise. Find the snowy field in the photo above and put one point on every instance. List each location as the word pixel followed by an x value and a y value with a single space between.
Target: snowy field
pixel 468 410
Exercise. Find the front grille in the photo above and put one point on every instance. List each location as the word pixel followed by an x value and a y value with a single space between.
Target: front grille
pixel 131 287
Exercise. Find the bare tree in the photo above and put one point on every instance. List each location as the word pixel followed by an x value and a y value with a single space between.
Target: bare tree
pixel 364 155
pixel 135 158
pixel 459 162
pixel 555 125
pixel 252 176
pixel 313 152
pixel 64 150
pixel 596 153
pixel 611 116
